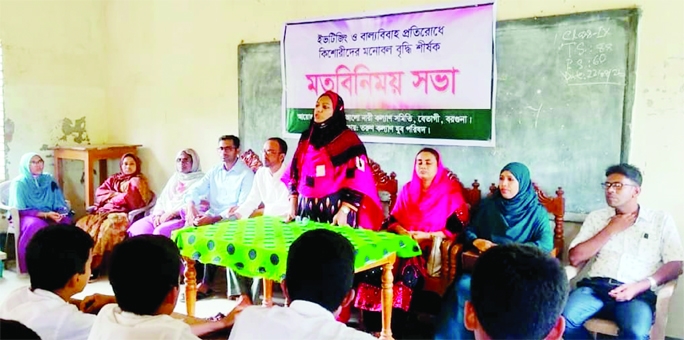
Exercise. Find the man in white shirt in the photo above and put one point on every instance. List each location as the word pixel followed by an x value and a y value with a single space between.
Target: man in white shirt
pixel 318 284
pixel 58 258
pixel 144 274
pixel 268 187
pixel 225 186
pixel 636 249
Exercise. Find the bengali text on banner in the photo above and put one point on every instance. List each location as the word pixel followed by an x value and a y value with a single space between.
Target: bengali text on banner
pixel 423 77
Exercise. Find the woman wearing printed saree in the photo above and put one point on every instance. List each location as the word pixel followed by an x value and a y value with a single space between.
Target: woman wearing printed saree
pixel 429 208
pixel 329 178
pixel 114 199
pixel 167 213
pixel 512 214
pixel 39 200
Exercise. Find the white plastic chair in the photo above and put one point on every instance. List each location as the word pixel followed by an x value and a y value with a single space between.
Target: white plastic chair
pixel 12 218
pixel 608 327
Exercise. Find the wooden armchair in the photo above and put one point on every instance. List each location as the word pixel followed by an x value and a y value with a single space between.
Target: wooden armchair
pixel 451 250
pixel 385 183
pixel 608 327
pixel 554 205
pixel 252 160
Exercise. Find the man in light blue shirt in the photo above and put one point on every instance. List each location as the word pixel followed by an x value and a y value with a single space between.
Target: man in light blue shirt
pixel 225 186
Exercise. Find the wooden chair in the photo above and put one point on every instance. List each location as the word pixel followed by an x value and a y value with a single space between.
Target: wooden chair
pixel 608 327
pixel 252 160
pixel 385 183
pixel 554 205
pixel 451 250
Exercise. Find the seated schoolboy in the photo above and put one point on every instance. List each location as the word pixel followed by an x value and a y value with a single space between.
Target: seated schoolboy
pixel 144 274
pixel 517 292
pixel 15 330
pixel 58 259
pixel 318 284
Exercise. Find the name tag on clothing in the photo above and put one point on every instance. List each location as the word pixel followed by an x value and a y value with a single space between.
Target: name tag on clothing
pixel 320 170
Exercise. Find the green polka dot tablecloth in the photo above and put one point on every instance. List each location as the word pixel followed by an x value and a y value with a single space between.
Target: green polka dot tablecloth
pixel 258 247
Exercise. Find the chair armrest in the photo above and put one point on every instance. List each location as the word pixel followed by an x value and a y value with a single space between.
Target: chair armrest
pixel 571 272
pixel 662 306
pixel 12 218
pixel 450 267
pixel 134 215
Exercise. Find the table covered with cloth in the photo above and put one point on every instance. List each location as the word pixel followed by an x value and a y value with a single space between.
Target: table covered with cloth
pixel 258 247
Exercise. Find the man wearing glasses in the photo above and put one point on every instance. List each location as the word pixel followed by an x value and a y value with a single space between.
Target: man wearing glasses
pixel 268 187
pixel 225 186
pixel 636 249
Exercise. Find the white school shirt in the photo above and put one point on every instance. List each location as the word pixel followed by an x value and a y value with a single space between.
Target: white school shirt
pixel 302 320
pixel 637 252
pixel 269 189
pixel 47 314
pixel 113 323
pixel 224 188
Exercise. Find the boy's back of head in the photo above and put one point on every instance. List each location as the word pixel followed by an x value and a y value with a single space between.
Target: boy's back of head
pixel 15 330
pixel 518 292
pixel 320 268
pixel 143 270
pixel 55 254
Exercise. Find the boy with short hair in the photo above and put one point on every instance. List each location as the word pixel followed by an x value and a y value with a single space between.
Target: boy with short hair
pixel 517 292
pixel 144 274
pixel 58 259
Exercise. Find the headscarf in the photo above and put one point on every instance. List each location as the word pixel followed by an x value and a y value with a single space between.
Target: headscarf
pixel 40 192
pixel 520 209
pixel 428 211
pixel 517 219
pixel 171 197
pixel 120 181
pixel 321 134
pixel 341 143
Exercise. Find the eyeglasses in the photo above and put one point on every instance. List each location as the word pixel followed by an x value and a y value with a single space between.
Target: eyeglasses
pixel 270 152
pixel 616 185
pixel 228 148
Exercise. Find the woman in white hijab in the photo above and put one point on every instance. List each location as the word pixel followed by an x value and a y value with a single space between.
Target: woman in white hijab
pixel 166 215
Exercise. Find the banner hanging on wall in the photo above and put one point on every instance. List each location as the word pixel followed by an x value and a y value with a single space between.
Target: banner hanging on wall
pixel 422 77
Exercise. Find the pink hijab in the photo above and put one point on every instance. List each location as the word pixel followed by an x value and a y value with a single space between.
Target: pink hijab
pixel 428 211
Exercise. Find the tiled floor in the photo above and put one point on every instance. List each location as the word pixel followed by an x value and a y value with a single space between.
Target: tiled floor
pixel 204 308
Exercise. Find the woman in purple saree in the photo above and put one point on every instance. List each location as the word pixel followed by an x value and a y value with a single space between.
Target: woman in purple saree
pixel 39 200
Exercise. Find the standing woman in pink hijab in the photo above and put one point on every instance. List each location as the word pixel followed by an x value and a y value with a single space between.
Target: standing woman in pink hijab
pixel 329 178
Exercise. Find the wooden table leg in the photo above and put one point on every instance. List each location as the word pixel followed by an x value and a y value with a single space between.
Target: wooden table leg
pixel 268 293
pixel 190 286
pixel 90 192
pixel 387 300
pixel 58 172
pixel 102 170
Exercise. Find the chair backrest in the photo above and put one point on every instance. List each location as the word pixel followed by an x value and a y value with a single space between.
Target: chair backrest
pixel 4 191
pixel 251 159
pixel 556 207
pixel 385 183
pixel 473 195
